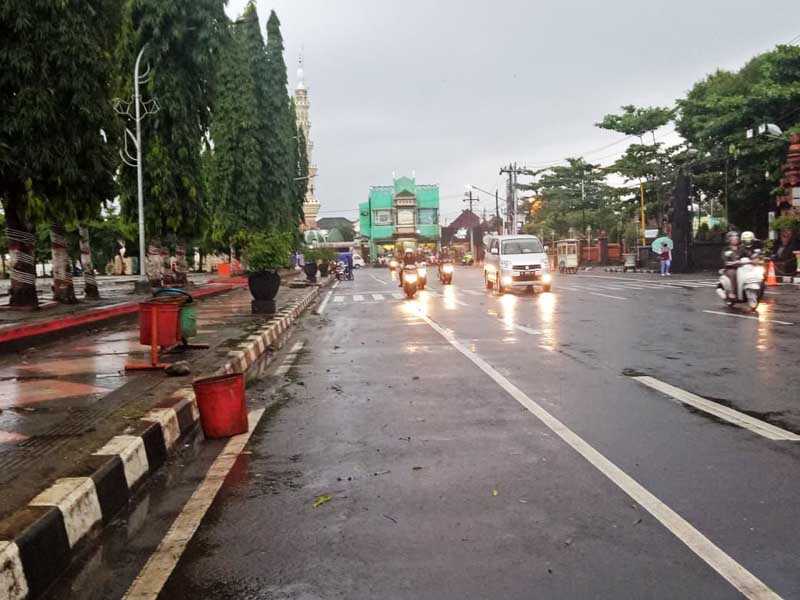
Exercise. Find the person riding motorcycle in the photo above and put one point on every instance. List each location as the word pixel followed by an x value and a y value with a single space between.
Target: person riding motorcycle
pixel 730 256
pixel 748 244
pixel 408 259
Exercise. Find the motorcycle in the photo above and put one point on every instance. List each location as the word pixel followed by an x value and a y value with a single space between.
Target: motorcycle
pixel 339 271
pixel 749 283
pixel 410 280
pixel 446 272
pixel 422 275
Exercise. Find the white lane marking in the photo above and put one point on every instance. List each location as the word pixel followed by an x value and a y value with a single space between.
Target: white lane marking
pixel 724 314
pixel 473 292
pixel 397 295
pixel 151 579
pixel 324 304
pixel 377 297
pixel 723 412
pixel 358 298
pixel 381 281
pixel 607 296
pixel 527 330
pixel 297 347
pixel 338 299
pixel 739 577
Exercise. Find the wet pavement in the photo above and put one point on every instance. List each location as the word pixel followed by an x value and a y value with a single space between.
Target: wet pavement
pixel 441 485
pixel 61 399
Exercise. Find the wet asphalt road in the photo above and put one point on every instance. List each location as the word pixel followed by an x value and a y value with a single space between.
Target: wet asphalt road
pixel 443 486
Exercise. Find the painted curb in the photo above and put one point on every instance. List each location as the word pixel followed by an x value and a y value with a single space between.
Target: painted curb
pixel 103 313
pixel 37 542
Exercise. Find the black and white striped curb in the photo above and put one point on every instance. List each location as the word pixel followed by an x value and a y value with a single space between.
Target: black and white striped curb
pixel 38 542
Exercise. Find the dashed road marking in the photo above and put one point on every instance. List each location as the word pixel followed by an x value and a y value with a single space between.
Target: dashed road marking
pixel 607 296
pixel 748 584
pixel 722 412
pixel 358 298
pixel 378 297
pixel 751 317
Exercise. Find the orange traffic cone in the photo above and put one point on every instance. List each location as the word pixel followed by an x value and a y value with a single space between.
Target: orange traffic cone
pixel 771 279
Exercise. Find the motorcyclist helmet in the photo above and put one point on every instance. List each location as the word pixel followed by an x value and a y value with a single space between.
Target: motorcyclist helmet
pixel 409 252
pixel 748 238
pixel 732 238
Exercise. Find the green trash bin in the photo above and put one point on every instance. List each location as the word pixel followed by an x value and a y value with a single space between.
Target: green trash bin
pixel 188 314
pixel 189 320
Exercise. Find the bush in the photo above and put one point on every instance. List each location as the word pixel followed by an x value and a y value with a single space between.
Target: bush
pixel 790 221
pixel 267 251
pixel 327 254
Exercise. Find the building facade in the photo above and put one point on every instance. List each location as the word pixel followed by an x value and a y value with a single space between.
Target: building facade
pixel 399 216
pixel 302 106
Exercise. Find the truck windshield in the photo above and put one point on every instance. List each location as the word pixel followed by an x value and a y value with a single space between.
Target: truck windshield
pixel 522 247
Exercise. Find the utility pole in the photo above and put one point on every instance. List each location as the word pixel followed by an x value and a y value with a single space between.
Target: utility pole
pixel 472 228
pixel 497 211
pixel 511 198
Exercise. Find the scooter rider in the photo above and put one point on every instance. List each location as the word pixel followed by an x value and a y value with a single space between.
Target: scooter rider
pixel 748 245
pixel 408 259
pixel 731 256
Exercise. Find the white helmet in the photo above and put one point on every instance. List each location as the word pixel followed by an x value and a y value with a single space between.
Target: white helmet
pixel 748 238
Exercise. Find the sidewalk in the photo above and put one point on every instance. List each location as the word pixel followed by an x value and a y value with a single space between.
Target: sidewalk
pixel 78 434
pixel 62 400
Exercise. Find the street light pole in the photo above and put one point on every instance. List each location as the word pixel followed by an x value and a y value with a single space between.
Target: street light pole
pixel 141 109
pixel 472 228
pixel 139 174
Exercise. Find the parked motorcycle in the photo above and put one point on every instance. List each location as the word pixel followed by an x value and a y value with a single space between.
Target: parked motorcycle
pixel 410 280
pixel 749 283
pixel 339 271
pixel 446 272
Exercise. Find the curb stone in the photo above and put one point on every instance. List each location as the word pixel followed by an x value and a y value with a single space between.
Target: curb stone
pixel 38 542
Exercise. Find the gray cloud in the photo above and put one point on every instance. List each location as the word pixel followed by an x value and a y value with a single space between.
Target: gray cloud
pixel 453 90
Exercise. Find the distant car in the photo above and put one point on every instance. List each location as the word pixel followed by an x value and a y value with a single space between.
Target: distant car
pixel 358 261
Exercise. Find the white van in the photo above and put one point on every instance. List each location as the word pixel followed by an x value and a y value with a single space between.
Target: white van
pixel 516 261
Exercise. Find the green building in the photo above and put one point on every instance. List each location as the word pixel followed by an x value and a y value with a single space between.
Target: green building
pixel 399 216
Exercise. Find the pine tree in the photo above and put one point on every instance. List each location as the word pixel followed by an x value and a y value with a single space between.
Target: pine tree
pixel 237 178
pixel 281 156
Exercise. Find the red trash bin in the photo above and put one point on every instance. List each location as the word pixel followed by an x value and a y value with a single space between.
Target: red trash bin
pixel 221 402
pixel 167 319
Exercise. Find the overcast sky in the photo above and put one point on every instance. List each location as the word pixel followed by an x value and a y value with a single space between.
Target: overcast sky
pixel 453 89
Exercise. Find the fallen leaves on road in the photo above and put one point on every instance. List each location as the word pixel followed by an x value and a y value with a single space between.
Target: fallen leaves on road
pixel 324 499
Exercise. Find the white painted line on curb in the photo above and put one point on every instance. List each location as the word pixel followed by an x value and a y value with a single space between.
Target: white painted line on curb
pixel 739 577
pixel 722 412
pixel 131 451
pixel 12 576
pixel 76 498
pixel 751 317
pixel 324 304
pixel 151 579
pixel 296 348
pixel 607 296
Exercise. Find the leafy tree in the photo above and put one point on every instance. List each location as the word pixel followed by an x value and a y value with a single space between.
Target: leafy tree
pixel 713 118
pixel 643 162
pixel 53 103
pixel 182 39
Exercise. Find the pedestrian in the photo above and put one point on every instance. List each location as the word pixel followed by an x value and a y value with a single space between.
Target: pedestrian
pixel 665 256
pixel 783 254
